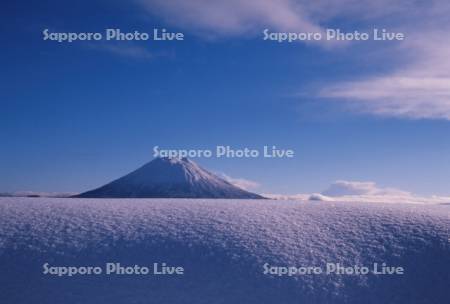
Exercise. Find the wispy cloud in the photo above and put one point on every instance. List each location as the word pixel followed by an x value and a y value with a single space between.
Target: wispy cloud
pixel 418 90
pixel 232 17
pixel 421 90
pixel 124 50
pixel 237 17
pixel 242 183
pixel 343 188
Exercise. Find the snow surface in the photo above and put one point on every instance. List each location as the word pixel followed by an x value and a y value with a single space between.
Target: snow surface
pixel 223 245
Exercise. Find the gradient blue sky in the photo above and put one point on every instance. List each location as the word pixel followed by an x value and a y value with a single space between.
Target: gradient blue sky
pixel 75 116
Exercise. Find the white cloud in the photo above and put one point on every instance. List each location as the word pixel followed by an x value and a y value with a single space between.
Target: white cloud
pixel 237 17
pixel 232 17
pixel 345 188
pixel 240 182
pixel 319 197
pixel 419 90
pixel 276 196
pixel 363 192
pixel 124 50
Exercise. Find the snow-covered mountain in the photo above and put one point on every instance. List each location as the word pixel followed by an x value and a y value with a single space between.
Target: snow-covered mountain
pixel 170 178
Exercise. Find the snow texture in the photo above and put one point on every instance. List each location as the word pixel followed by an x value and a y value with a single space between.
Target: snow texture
pixel 223 245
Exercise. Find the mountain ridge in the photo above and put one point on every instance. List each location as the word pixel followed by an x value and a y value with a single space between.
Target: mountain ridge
pixel 169 178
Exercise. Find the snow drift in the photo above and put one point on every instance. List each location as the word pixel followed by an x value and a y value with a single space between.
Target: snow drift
pixel 223 246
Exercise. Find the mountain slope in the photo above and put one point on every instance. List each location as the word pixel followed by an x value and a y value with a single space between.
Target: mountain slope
pixel 169 178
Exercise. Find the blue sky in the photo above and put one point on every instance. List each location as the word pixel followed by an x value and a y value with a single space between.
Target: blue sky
pixel 75 116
